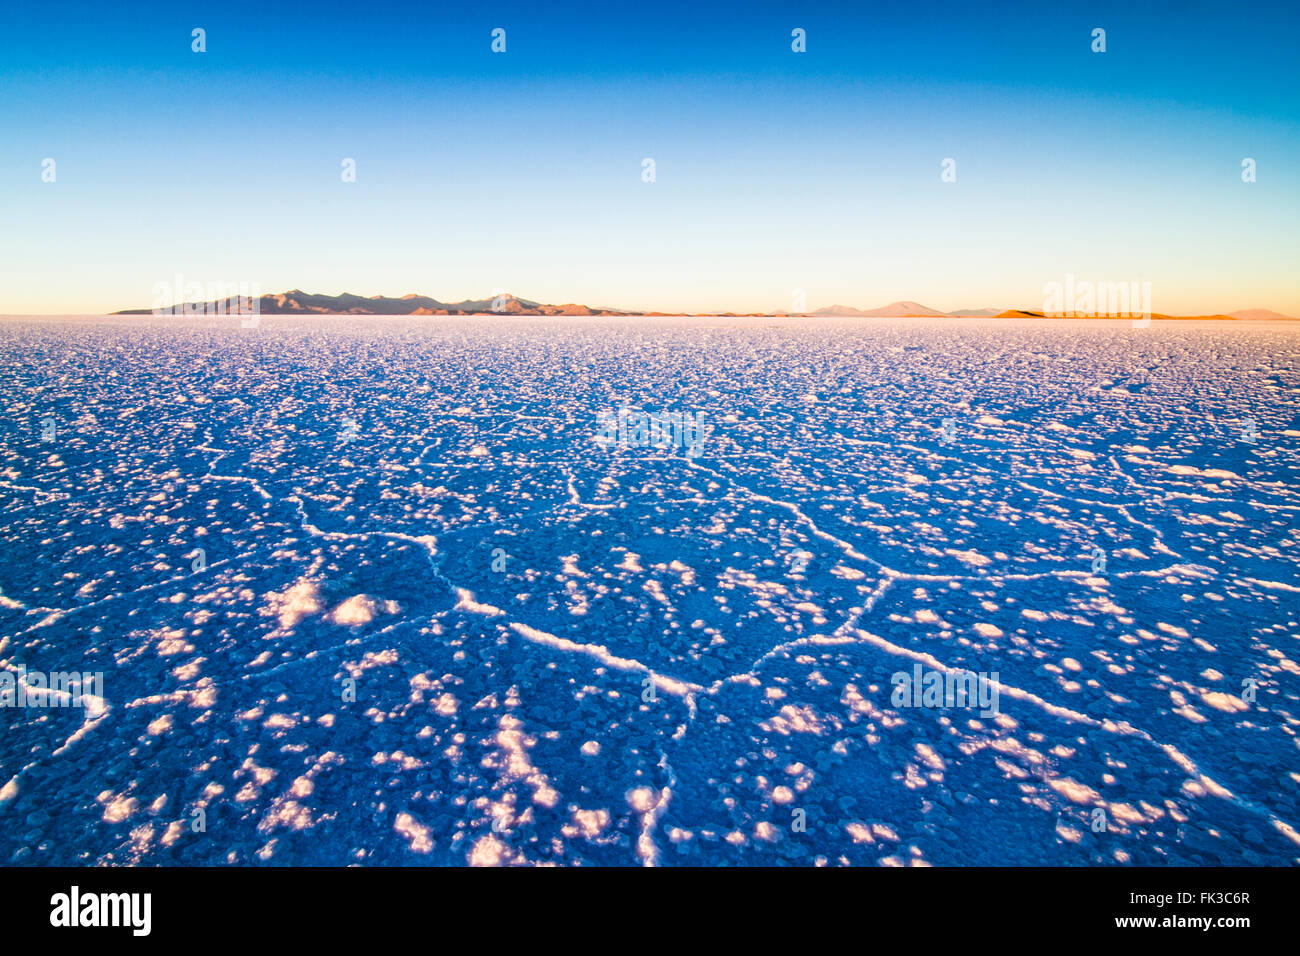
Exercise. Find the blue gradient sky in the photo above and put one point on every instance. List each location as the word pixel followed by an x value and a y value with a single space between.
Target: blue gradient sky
pixel 776 171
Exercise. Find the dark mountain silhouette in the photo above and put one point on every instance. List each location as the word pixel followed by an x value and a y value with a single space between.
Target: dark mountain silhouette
pixel 297 302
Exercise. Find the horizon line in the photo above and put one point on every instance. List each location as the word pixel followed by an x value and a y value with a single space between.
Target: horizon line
pixel 220 297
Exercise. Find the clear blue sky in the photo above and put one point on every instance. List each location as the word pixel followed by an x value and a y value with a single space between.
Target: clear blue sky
pixel 776 171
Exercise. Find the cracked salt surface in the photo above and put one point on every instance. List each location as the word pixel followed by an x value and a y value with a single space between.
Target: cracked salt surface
pixel 648 677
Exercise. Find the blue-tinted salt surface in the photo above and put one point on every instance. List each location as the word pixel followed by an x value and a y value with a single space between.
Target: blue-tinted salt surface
pixel 433 620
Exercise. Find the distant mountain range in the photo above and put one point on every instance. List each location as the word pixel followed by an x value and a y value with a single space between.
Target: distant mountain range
pixel 1258 314
pixel 297 302
pixel 908 308
pixel 893 309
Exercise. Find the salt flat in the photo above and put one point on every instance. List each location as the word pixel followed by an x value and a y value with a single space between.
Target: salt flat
pixel 435 621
